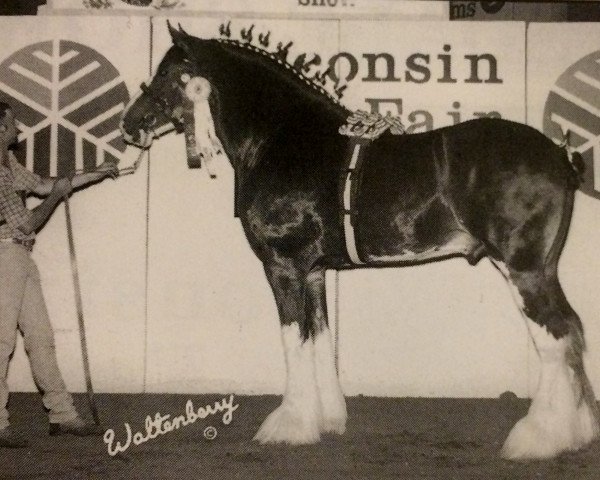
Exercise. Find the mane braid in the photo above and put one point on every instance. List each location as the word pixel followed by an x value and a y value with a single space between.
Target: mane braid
pixel 287 67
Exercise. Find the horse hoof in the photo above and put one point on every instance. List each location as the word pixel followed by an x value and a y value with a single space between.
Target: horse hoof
pixel 589 421
pixel 546 436
pixel 287 425
pixel 334 425
pixel 334 416
pixel 530 439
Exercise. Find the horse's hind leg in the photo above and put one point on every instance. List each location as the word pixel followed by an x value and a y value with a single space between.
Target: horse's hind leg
pixel 563 414
pixel 298 419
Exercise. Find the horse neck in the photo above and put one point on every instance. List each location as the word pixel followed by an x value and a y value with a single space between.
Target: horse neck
pixel 255 107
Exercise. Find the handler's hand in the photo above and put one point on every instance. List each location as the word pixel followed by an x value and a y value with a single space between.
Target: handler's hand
pixel 108 169
pixel 3 150
pixel 62 187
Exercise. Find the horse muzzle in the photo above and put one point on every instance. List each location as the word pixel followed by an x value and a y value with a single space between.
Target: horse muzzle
pixel 140 138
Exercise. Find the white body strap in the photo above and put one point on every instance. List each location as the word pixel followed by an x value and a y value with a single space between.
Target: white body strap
pixel 349 235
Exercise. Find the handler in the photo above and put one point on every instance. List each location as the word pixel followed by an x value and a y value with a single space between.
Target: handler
pixel 22 305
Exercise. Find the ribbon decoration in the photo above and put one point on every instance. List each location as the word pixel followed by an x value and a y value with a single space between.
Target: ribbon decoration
pixel 371 125
pixel 201 141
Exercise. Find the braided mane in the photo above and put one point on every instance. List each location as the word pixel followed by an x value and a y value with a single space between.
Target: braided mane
pixel 298 70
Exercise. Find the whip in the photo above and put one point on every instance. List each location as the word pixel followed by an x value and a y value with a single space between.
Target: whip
pixel 78 297
pixel 79 305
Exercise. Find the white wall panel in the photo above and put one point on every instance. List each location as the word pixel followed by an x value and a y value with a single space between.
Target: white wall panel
pixel 109 230
pixel 552 49
pixel 445 329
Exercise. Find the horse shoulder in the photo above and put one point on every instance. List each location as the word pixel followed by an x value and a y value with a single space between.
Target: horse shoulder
pixel 288 222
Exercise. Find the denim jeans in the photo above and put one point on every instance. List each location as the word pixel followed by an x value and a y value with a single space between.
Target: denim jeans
pixel 22 307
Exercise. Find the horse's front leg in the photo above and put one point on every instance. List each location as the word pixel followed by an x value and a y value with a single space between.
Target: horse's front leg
pixel 298 419
pixel 333 404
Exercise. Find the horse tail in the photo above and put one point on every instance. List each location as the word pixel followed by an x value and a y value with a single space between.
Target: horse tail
pixel 578 166
pixel 576 170
pixel 575 161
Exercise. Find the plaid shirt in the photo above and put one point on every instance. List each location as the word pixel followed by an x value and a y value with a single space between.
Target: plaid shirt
pixel 12 207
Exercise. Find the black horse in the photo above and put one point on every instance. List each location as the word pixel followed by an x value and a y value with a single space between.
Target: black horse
pixel 484 188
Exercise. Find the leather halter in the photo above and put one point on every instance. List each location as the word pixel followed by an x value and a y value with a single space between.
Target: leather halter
pixel 163 106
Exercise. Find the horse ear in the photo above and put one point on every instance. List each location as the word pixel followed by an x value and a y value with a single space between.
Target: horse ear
pixel 173 32
pixel 180 38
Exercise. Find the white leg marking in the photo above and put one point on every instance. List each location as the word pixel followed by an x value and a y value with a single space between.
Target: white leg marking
pixel 553 424
pixel 296 421
pixel 333 404
pixel 590 428
pixel 559 419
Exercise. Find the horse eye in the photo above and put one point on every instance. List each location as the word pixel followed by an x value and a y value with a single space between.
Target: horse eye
pixel 163 73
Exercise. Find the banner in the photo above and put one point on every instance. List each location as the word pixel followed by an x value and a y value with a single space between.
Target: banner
pixel 498 11
pixel 443 78
pixel 398 9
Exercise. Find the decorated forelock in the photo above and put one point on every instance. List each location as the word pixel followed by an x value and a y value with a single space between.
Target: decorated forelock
pixel 301 66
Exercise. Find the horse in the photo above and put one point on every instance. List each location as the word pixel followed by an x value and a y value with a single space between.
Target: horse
pixel 486 188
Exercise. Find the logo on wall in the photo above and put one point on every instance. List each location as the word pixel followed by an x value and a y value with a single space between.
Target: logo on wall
pixel 158 4
pixel 68 99
pixel 492 7
pixel 574 105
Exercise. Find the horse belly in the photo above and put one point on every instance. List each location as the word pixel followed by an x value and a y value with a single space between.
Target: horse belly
pixel 419 232
pixel 459 244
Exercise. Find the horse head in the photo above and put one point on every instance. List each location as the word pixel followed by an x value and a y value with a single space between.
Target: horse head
pixel 230 90
pixel 176 98
pixel 157 107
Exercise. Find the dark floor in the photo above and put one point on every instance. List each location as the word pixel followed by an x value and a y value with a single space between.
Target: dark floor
pixel 386 438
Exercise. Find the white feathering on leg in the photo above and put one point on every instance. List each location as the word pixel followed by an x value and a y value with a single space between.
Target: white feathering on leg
pixel 332 399
pixel 555 422
pixel 559 419
pixel 296 421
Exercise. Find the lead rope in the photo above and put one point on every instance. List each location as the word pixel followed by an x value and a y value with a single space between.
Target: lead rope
pixel 78 299
pixel 127 170
pixel 336 311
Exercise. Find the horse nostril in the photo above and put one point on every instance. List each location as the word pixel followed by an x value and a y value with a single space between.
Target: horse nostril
pixel 124 128
pixel 128 134
pixel 149 120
